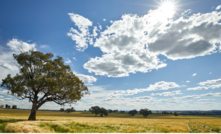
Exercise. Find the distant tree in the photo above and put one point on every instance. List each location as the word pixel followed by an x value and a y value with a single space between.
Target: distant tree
pixel 144 112
pixel 115 110
pixel 157 111
pixel 68 110
pixel 95 110
pixel 14 107
pixel 122 111
pixel 61 110
pixel 165 112
pixel 150 112
pixel 133 112
pixel 85 110
pixel 7 106
pixel 110 111
pixel 45 76
pixel 176 114
pixel 72 109
pixel 103 111
pixel 1 106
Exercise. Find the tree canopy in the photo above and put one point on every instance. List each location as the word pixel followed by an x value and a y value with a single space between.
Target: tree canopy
pixel 133 112
pixel 97 110
pixel 42 79
pixel 145 112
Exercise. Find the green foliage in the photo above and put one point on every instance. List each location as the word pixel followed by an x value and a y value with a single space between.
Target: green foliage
pixel 7 106
pixel 97 110
pixel 176 114
pixel 4 122
pixel 165 112
pixel 115 111
pixel 133 112
pixel 61 110
pixel 150 112
pixel 110 111
pixel 1 106
pixel 14 107
pixel 40 75
pixel 103 111
pixel 68 110
pixel 145 112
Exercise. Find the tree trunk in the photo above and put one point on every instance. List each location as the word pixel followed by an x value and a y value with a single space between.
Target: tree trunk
pixel 33 112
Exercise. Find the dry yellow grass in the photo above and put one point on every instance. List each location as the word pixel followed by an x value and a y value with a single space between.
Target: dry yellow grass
pixel 25 127
pixel 48 121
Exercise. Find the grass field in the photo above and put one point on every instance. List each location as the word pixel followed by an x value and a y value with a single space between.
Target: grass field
pixel 12 120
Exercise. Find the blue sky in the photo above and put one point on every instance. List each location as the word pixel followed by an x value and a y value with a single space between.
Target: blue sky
pixel 161 55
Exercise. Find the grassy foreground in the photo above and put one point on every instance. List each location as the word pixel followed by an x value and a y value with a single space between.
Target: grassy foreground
pixel 12 120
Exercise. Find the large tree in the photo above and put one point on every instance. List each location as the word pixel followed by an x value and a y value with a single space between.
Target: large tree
pixel 42 79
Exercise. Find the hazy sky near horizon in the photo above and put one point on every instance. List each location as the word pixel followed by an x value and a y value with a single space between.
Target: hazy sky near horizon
pixel 156 54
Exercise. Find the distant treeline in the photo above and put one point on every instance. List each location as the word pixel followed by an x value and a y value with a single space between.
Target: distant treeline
pixel 8 106
pixel 212 112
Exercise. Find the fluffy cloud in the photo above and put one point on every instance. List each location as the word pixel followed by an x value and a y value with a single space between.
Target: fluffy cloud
pixel 186 13
pixel 206 100
pixel 7 62
pixel 211 94
pixel 167 93
pixel 215 81
pixel 133 43
pixel 187 81
pixel 205 87
pixel 68 61
pixel 209 84
pixel 162 85
pixel 194 74
pixel 120 64
pixel 17 45
pixel 218 7
pixel 146 37
pixel 86 78
pixel 44 46
pixel 82 38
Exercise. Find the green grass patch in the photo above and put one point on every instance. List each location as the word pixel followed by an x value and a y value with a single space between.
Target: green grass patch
pixel 4 122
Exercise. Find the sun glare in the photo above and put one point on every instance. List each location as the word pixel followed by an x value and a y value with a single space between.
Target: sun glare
pixel 167 9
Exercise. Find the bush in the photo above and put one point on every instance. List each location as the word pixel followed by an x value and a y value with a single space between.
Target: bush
pixel 7 106
pixel 61 110
pixel 14 107
pixel 145 112
pixel 133 112
pixel 175 114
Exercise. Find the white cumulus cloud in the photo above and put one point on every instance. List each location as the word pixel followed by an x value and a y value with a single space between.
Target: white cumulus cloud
pixel 167 93
pixel 7 62
pixel 145 37
pixel 194 74
pixel 218 7
pixel 18 45
pixel 67 61
pixel 215 81
pixel 86 78
pixel 162 85
pixel 82 38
